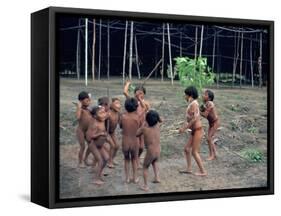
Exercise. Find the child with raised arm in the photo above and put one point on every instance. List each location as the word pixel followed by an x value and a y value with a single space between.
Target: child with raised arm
pixel 83 116
pixel 194 124
pixel 97 136
pixel 130 123
pixel 142 109
pixel 208 111
pixel 151 133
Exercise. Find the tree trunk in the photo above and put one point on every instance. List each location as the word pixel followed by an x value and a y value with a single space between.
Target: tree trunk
pixel 100 49
pixel 137 57
pixel 124 55
pixel 170 54
pixel 94 49
pixel 78 54
pixel 108 50
pixel 241 59
pixel 131 50
pixel 86 51
pixel 251 62
pixel 163 53
pixel 260 62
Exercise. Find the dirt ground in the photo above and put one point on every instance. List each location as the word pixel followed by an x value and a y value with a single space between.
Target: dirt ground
pixel 243 114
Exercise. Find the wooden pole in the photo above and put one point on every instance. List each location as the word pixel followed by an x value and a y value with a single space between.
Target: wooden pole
pixel 241 59
pixel 251 62
pixel 99 49
pixel 78 54
pixel 234 59
pixel 108 50
pixel 195 50
pixel 170 54
pixel 214 53
pixel 94 49
pixel 131 50
pixel 137 57
pixel 163 53
pixel 201 41
pixel 124 55
pixel 86 51
pixel 180 44
pixel 260 62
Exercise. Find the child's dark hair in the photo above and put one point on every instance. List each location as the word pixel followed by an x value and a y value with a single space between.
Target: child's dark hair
pixel 103 101
pixel 152 118
pixel 140 88
pixel 191 91
pixel 95 110
pixel 131 104
pixel 114 99
pixel 211 95
pixel 83 95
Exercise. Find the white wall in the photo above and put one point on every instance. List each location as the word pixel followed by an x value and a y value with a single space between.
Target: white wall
pixel 15 106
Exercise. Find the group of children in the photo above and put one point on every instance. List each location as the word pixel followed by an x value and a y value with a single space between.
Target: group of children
pixel 140 127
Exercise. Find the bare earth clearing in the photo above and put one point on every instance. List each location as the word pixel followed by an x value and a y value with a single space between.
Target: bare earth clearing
pixel 243 115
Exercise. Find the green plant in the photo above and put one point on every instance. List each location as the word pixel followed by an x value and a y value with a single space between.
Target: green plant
pixel 252 129
pixel 253 155
pixel 194 72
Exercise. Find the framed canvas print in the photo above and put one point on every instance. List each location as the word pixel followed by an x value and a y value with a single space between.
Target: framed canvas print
pixel 138 107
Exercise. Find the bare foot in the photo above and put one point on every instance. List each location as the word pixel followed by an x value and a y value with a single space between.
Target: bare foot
pixel 144 188
pixel 211 158
pixel 98 182
pixel 185 171
pixel 135 181
pixel 81 165
pixel 201 174
pixel 155 181
pixel 110 165
pixel 128 180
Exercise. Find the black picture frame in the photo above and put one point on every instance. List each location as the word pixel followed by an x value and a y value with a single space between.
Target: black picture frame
pixel 45 111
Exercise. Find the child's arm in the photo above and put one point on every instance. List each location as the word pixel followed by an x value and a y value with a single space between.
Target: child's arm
pixel 209 106
pixel 139 132
pixel 78 110
pixel 126 89
pixel 191 121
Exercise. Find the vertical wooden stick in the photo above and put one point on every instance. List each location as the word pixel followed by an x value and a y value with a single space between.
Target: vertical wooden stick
pixel 260 62
pixel 94 49
pixel 170 54
pixel 241 59
pixel 163 53
pixel 100 49
pixel 124 55
pixel 131 50
pixel 251 62
pixel 137 57
pixel 78 53
pixel 108 50
pixel 86 51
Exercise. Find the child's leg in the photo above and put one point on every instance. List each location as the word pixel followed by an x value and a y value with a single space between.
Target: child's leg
pixel 141 140
pixel 86 157
pixel 111 151
pixel 126 165
pixel 105 157
pixel 94 150
pixel 212 147
pixel 145 173
pixel 187 154
pixel 156 171
pixel 81 139
pixel 197 137
pixel 116 146
pixel 134 160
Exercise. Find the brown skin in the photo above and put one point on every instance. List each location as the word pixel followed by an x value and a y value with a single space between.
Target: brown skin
pixel 152 143
pixel 97 136
pixel 114 117
pixel 143 108
pixel 211 114
pixel 130 123
pixel 84 117
pixel 194 142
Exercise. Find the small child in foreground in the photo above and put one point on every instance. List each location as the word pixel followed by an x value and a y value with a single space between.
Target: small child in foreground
pixel 208 111
pixel 129 124
pixel 151 133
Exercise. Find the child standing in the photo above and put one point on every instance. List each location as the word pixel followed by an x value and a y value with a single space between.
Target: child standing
pixel 129 124
pixel 84 117
pixel 209 112
pixel 151 135
pixel 194 123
